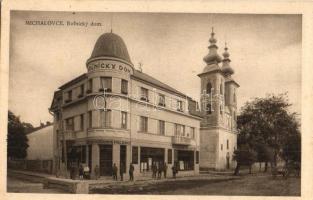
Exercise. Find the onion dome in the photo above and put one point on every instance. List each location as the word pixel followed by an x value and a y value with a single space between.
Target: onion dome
pixel 226 68
pixel 212 57
pixel 110 45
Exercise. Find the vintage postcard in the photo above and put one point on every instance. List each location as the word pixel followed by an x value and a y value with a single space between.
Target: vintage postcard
pixel 150 100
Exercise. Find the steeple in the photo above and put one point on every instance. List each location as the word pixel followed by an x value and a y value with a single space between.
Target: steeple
pixel 212 57
pixel 226 68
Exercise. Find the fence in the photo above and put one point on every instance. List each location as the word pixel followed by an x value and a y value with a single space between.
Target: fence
pixel 44 166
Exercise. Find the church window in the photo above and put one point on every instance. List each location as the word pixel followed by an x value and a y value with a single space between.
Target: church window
pixel 208 109
pixel 209 88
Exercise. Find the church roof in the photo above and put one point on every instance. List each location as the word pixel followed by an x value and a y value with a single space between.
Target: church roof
pixel 110 45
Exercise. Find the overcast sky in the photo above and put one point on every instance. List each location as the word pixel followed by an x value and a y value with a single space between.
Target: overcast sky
pixel 265 51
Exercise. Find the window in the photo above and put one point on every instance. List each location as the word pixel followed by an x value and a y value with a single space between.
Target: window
pixel 197 157
pixel 81 93
pixel 82 122
pixel 89 86
pixel 135 155
pixel 144 94
pixel 161 100
pixel 124 87
pixel 106 84
pixel 69 124
pixel 221 147
pixel 161 127
pixel 179 105
pixel 124 120
pixel 169 156
pixel 69 96
pixel 221 109
pixel 179 130
pixel 208 109
pixel 90 119
pixel 105 118
pixel 209 88
pixel 143 124
pixel 227 144
pixel 192 132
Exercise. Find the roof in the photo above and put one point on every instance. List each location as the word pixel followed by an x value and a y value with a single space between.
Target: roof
pixel 110 45
pixel 149 79
pixel 73 81
pixel 39 128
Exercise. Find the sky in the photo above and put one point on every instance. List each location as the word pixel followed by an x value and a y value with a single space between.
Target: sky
pixel 265 51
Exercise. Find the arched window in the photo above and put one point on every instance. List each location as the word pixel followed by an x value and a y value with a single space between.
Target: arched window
pixel 208 109
pixel 209 88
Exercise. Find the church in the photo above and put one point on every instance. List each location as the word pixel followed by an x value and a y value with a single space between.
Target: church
pixel 116 114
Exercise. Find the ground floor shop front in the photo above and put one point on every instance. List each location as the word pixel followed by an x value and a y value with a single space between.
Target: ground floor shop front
pixel 100 156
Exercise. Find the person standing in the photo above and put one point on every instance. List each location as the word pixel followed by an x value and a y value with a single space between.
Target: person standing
pixel 114 172
pixel 97 172
pixel 174 170
pixel 160 169
pixel 121 171
pixel 154 170
pixel 131 172
pixel 165 169
pixel 81 172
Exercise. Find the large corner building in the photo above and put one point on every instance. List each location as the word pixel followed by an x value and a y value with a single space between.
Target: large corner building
pixel 114 113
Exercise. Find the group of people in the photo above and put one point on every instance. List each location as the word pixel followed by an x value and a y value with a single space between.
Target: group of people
pixel 83 172
pixel 157 170
pixel 122 169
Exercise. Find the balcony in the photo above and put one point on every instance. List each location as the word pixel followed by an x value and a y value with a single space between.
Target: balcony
pixel 181 140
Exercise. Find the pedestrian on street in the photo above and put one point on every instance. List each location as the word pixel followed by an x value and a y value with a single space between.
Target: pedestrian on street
pixel 154 170
pixel 160 169
pixel 97 172
pixel 81 172
pixel 174 170
pixel 114 172
pixel 165 169
pixel 121 171
pixel 86 172
pixel 131 172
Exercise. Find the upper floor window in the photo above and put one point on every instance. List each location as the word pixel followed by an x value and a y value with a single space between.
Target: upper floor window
pixel 144 94
pixel 69 96
pixel 69 124
pixel 82 122
pixel 81 92
pixel 161 100
pixel 227 144
pixel 124 87
pixel 208 109
pixel 89 86
pixel 161 128
pixel 106 84
pixel 209 88
pixel 143 124
pixel 105 116
pixel 192 132
pixel 179 130
pixel 179 105
pixel 124 120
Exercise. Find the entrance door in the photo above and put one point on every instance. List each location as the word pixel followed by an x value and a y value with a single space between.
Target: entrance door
pixel 105 160
pixel 227 161
pixel 123 158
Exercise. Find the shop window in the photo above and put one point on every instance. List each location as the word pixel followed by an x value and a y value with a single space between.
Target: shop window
pixel 161 100
pixel 143 124
pixel 144 94
pixel 169 156
pixel 124 120
pixel 197 157
pixel 106 84
pixel 69 124
pixel 185 160
pixel 89 86
pixel 82 122
pixel 105 118
pixel 135 155
pixel 124 87
pixel 161 127
pixel 149 156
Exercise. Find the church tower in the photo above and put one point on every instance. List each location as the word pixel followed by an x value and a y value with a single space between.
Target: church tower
pixel 218 134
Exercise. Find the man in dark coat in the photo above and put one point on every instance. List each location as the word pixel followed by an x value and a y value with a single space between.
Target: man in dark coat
pixel 131 172
pixel 160 169
pixel 114 172
pixel 165 169
pixel 154 170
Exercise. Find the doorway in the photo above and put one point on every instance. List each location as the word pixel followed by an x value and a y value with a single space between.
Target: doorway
pixel 105 160
pixel 123 158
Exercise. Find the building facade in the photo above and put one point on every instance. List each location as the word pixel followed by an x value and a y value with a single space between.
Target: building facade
pixel 115 114
pixel 218 132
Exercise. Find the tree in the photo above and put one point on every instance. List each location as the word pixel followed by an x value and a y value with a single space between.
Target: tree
pixel 244 155
pixel 17 139
pixel 265 124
